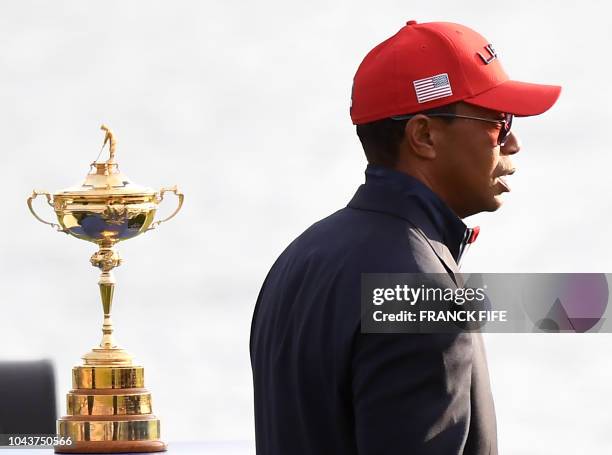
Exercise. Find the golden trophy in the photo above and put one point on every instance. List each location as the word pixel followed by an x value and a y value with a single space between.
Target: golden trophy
pixel 108 410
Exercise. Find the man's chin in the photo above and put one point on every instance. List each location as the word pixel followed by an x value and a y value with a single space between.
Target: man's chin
pixel 496 202
pixel 489 205
pixel 492 204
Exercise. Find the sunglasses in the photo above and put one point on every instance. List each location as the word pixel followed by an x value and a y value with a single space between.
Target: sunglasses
pixel 506 123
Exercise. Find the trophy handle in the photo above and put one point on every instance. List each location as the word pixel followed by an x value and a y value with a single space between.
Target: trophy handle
pixel 35 194
pixel 160 198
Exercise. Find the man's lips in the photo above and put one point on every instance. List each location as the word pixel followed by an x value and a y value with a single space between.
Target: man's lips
pixel 502 181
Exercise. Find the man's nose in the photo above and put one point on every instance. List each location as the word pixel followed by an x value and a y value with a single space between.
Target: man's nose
pixel 512 145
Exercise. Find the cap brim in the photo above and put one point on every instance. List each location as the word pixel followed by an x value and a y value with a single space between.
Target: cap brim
pixel 519 98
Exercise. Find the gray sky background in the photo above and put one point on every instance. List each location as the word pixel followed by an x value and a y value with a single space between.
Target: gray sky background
pixel 245 106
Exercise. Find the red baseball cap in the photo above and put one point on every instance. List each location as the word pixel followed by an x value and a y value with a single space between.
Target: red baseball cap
pixel 424 66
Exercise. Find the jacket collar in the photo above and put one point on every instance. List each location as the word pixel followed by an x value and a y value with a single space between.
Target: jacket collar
pixel 397 194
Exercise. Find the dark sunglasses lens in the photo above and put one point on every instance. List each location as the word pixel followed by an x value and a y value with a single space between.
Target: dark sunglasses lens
pixel 505 130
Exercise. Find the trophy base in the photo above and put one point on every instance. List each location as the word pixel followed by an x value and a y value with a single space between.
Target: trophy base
pixel 109 411
pixel 113 447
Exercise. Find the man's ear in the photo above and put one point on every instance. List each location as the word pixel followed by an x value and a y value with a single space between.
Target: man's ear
pixel 419 135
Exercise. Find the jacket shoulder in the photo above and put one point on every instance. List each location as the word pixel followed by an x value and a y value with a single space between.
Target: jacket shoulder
pixel 367 240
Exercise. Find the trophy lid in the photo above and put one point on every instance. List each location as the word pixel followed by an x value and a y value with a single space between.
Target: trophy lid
pixel 105 178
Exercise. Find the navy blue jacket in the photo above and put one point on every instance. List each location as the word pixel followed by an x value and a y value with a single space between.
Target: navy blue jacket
pixel 323 387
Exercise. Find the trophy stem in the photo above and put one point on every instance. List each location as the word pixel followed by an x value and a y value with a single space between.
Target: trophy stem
pixel 108 353
pixel 107 289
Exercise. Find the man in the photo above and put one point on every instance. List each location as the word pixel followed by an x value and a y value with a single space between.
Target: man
pixel 433 109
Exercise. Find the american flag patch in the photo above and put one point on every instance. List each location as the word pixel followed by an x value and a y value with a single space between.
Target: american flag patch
pixel 432 88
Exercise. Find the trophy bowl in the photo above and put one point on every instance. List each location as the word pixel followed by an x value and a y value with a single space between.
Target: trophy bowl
pixel 106 208
pixel 108 410
pixel 105 217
